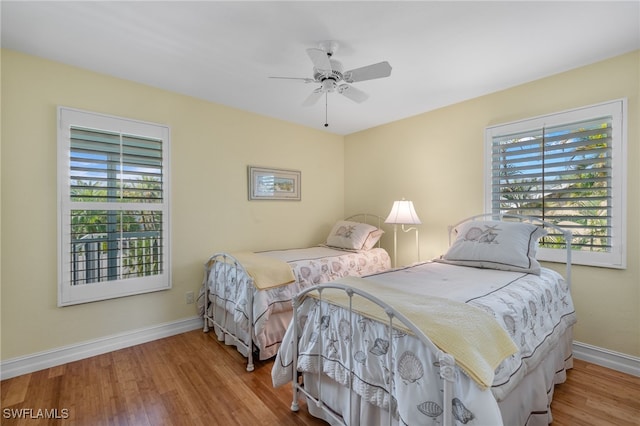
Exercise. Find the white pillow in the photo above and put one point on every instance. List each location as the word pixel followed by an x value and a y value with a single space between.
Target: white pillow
pixel 372 239
pixel 508 246
pixel 350 235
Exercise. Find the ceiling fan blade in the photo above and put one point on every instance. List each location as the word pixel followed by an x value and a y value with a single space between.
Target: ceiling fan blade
pixel 352 93
pixel 379 70
pixel 319 58
pixel 313 97
pixel 306 80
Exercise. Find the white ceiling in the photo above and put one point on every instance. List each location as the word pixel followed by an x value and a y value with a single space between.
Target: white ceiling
pixel 441 52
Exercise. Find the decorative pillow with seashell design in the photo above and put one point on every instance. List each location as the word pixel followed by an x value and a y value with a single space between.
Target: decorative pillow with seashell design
pixel 353 235
pixel 508 246
pixel 372 239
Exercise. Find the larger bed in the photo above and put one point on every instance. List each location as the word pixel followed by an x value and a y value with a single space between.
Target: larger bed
pixel 499 336
pixel 247 297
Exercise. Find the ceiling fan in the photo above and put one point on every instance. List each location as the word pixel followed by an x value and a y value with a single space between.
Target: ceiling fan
pixel 329 74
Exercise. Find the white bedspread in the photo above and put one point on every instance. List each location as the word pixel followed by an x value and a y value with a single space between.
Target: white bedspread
pixel 534 310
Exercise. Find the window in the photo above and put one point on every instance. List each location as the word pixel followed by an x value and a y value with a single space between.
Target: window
pixel 568 168
pixel 114 207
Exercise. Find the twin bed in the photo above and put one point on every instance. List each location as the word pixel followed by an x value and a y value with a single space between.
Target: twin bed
pixel 247 297
pixel 479 336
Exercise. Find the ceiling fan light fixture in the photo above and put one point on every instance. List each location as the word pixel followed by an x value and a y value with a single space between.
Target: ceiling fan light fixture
pixel 329 85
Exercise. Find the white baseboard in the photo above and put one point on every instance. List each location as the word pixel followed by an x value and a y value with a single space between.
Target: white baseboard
pixel 606 358
pixel 51 358
pixel 58 356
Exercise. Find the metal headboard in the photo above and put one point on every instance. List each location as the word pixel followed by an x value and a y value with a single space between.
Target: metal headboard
pixel 371 219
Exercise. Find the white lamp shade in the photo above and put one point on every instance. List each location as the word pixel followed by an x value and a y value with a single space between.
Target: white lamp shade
pixel 403 213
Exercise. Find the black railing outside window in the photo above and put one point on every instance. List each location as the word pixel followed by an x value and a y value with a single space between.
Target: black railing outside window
pixel 96 258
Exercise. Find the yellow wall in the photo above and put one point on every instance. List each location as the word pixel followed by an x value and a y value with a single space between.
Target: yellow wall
pixel 436 160
pixel 211 146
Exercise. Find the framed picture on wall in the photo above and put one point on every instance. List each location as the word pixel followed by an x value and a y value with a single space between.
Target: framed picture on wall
pixel 273 184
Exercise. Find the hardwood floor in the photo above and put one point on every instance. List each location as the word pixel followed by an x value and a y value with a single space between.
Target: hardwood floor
pixel 192 379
pixel 596 396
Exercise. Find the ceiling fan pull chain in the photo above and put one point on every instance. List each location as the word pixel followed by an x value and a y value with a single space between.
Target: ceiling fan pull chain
pixel 326 101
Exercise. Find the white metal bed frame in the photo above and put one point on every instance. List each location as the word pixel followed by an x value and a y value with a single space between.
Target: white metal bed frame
pixel 231 262
pixel 447 361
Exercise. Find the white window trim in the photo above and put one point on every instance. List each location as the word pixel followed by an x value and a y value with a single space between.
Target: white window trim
pixel 617 257
pixel 72 295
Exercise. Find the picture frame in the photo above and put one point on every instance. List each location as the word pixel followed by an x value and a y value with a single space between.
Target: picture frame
pixel 273 184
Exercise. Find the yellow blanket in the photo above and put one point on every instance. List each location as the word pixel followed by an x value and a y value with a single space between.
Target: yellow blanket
pixel 267 272
pixel 474 338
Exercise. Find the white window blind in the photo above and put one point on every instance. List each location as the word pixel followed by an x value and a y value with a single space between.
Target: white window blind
pixel 114 238
pixel 567 168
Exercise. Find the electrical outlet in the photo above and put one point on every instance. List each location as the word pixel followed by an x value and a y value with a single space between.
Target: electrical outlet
pixel 188 297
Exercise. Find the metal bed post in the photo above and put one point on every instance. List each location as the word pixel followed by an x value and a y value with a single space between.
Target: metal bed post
pixel 228 261
pixel 294 369
pixel 447 373
pixel 350 379
pixel 320 357
pixel 390 364
pixel 249 343
pixel 224 299
pixel 205 315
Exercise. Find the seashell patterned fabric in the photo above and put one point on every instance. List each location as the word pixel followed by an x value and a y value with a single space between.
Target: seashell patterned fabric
pixel 410 367
pixel 310 266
